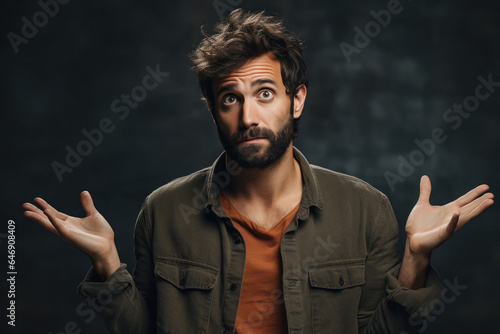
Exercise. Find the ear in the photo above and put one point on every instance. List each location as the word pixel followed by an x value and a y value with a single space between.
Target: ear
pixel 299 100
pixel 209 106
pixel 207 103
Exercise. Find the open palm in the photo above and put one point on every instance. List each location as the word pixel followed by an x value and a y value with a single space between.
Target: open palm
pixel 429 226
pixel 91 234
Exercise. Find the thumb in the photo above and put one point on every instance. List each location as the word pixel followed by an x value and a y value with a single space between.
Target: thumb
pixel 452 225
pixel 87 203
pixel 425 189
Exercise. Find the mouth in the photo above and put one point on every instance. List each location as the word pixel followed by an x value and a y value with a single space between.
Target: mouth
pixel 252 140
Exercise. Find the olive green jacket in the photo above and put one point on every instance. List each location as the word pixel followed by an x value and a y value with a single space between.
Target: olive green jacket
pixel 339 260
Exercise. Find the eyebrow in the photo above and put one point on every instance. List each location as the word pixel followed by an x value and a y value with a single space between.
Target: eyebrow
pixel 258 82
pixel 263 81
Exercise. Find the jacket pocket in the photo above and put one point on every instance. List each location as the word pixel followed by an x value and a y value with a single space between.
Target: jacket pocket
pixel 335 293
pixel 185 293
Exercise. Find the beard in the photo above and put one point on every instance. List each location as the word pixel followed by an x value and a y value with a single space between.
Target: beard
pixel 249 156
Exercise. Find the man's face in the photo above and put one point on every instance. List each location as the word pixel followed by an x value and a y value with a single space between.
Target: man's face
pixel 253 113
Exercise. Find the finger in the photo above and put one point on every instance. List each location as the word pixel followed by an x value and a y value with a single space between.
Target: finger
pixel 39 217
pixel 425 189
pixel 57 224
pixel 34 213
pixel 452 225
pixel 473 205
pixel 475 208
pixel 471 195
pixel 44 205
pixel 33 208
pixel 87 203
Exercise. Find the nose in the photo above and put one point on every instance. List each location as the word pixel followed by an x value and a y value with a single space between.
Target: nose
pixel 249 115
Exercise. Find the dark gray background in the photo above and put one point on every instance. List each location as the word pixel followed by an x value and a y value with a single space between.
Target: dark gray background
pixel 359 117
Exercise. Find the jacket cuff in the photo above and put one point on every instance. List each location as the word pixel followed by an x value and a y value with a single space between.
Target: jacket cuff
pixel 417 302
pixel 93 285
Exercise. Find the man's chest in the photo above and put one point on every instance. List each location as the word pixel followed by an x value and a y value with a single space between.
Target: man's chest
pixel 266 216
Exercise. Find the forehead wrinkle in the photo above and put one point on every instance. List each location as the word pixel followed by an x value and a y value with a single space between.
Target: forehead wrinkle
pixel 256 67
pixel 251 74
pixel 263 68
pixel 259 81
pixel 255 77
pixel 263 81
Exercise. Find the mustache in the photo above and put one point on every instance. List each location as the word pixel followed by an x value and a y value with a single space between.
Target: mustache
pixel 251 134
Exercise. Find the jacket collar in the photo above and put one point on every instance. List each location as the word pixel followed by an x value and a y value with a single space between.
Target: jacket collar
pixel 219 177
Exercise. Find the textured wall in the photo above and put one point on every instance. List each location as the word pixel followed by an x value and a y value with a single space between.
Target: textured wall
pixel 363 114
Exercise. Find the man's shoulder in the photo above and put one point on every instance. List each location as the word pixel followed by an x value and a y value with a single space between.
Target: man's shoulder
pixel 177 189
pixel 345 184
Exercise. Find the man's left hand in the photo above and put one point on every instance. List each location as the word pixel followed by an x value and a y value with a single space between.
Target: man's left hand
pixel 429 226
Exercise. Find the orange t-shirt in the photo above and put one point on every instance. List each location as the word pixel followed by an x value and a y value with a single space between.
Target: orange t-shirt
pixel 261 308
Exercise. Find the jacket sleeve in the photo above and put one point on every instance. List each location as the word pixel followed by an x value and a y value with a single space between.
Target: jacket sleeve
pixel 385 306
pixel 126 304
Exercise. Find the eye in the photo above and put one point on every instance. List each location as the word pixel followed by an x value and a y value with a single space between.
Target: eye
pixel 229 99
pixel 266 95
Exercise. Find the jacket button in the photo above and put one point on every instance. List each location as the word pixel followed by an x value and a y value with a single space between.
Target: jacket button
pixel 341 281
pixel 182 282
pixel 237 240
pixel 233 287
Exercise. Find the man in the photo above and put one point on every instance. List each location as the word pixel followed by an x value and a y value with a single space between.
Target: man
pixel 277 245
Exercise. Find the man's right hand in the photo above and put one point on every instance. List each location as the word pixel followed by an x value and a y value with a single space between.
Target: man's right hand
pixel 92 234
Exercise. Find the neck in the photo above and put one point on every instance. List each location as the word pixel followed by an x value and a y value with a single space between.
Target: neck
pixel 270 184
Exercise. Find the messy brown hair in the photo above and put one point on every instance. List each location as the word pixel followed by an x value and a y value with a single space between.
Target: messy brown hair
pixel 242 36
